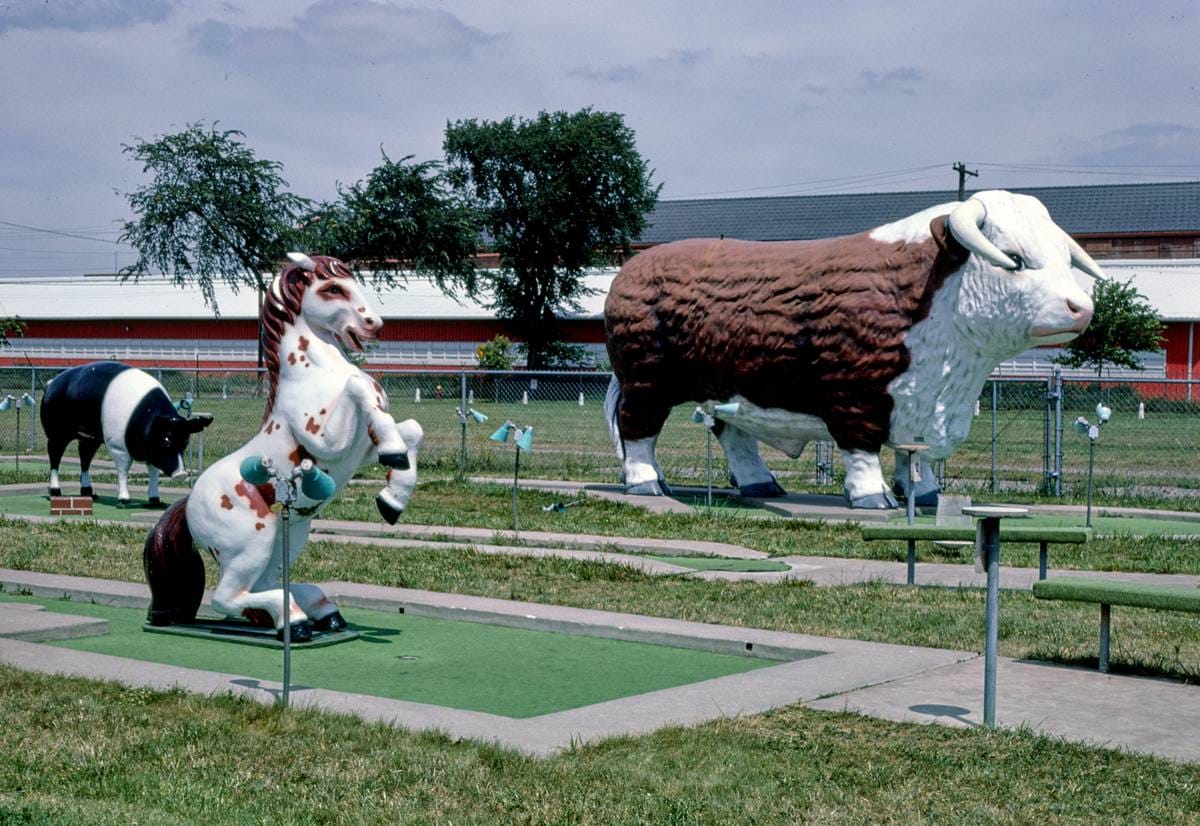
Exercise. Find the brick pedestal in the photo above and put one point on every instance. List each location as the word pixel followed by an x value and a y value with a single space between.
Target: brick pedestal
pixel 70 506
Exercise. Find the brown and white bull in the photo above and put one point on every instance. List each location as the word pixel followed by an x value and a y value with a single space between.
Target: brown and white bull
pixel 885 337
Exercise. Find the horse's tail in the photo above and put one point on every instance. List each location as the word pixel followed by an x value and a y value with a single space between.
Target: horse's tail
pixel 612 405
pixel 174 569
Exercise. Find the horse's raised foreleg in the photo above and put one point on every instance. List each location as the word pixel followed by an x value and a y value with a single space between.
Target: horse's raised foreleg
pixel 393 499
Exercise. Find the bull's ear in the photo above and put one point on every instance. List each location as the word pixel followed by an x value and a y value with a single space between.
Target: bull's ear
pixel 198 423
pixel 939 227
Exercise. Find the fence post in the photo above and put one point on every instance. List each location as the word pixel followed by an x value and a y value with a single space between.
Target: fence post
pixel 462 400
pixel 1047 454
pixel 995 404
pixel 1058 431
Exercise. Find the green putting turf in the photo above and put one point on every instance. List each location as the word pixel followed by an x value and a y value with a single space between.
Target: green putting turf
pixel 465 665
pixel 716 563
pixel 103 507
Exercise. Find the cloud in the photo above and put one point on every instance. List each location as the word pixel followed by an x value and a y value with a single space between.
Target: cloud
pixel 1168 144
pixel 652 67
pixel 81 15
pixel 331 32
pixel 902 80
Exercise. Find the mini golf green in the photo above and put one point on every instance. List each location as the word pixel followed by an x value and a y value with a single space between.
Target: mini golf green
pixel 104 506
pixel 465 665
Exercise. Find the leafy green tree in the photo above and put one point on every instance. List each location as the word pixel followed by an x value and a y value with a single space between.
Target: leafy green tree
pixel 403 218
pixel 1123 325
pixel 14 327
pixel 557 194
pixel 212 211
pixel 496 354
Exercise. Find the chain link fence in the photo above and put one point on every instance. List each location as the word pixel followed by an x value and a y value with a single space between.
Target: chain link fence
pixel 1022 436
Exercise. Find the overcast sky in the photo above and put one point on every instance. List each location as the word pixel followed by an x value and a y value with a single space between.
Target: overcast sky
pixel 746 98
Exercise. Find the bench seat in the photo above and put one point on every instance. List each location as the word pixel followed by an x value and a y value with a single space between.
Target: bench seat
pixel 1107 593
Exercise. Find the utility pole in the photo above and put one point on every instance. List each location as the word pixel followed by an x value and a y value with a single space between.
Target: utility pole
pixel 963 172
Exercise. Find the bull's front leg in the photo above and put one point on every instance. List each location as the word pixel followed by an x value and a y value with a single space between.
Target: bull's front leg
pixel 865 486
pixel 925 487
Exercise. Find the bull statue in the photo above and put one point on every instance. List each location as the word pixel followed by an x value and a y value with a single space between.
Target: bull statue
pixel 884 337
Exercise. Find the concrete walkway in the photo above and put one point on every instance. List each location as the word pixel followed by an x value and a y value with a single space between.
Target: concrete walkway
pixel 904 683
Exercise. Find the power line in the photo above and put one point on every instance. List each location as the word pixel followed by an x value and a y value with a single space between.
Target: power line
pixel 57 232
pixel 814 182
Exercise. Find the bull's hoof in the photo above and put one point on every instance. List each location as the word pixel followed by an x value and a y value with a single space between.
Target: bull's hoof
pixel 389 513
pixel 159 617
pixel 86 491
pixel 56 491
pixel 762 490
pixel 302 631
pixel 654 488
pixel 399 461
pixel 155 503
pixel 873 501
pixel 122 503
pixel 333 622
pixel 928 499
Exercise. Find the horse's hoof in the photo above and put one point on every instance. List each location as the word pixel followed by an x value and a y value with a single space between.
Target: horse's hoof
pixel 56 491
pixel 302 631
pixel 873 501
pixel 389 513
pixel 762 490
pixel 399 461
pixel 333 622
pixel 87 491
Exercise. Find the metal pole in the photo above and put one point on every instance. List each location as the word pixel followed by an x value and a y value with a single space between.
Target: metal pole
pixel 911 509
pixel 516 474
pixel 462 400
pixel 708 498
pixel 1047 485
pixel 1058 431
pixel 989 529
pixel 287 610
pixel 1091 463
pixel 17 441
pixel 1105 613
pixel 995 404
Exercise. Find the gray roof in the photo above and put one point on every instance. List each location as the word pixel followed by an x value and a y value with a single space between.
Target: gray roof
pixel 1080 210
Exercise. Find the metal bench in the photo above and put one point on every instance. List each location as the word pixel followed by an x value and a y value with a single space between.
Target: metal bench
pixel 1044 536
pixel 1107 593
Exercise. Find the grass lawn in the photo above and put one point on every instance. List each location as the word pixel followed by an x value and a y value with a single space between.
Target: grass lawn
pixel 81 752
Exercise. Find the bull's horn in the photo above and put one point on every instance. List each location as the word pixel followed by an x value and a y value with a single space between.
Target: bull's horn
pixel 1082 260
pixel 965 222
pixel 302 261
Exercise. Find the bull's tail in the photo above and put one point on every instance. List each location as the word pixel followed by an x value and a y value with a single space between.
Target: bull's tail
pixel 612 406
pixel 174 569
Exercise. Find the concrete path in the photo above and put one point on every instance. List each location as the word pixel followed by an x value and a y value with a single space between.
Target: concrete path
pixel 904 683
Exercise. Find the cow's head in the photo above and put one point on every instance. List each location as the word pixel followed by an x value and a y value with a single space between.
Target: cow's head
pixel 167 439
pixel 1017 287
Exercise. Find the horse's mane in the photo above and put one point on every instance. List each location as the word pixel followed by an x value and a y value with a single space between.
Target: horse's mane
pixel 280 307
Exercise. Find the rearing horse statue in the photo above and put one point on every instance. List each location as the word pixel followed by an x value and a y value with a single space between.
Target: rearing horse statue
pixel 320 407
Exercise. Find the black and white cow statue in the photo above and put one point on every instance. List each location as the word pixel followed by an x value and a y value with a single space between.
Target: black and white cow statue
pixel 127 410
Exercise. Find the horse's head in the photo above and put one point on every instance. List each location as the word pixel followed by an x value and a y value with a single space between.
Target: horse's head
pixel 332 302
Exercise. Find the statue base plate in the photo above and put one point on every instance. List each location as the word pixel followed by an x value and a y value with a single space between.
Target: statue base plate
pixel 243 633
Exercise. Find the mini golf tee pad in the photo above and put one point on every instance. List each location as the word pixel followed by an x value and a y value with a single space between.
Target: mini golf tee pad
pixel 243 633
